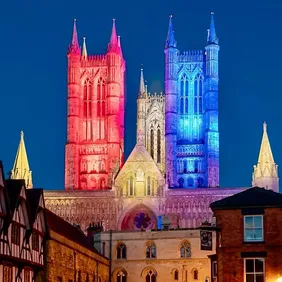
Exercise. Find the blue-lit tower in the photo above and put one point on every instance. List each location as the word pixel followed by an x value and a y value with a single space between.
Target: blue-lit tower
pixel 191 113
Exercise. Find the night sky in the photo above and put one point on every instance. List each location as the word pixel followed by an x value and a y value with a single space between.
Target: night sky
pixel 33 71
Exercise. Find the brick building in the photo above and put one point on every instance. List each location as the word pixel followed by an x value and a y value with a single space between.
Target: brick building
pixel 69 256
pixel 249 237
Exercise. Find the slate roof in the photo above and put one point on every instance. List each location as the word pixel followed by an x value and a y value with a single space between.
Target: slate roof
pixel 250 198
pixel 62 227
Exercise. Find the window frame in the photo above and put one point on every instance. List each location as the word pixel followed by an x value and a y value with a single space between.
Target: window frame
pixel 149 250
pixel 262 227
pixel 121 251
pixel 254 273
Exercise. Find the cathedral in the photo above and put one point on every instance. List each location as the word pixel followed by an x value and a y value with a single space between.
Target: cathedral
pixel 172 173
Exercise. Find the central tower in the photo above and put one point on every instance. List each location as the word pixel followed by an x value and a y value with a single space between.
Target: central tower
pixel 95 131
pixel 191 113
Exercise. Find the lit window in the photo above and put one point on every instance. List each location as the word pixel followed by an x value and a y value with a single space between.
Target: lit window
pixel 151 276
pixel 151 250
pixel 121 276
pixel 253 228
pixel 8 273
pixel 185 250
pixel 35 242
pixel 175 275
pixel 15 234
pixel 121 251
pixel 254 270
pixel 195 274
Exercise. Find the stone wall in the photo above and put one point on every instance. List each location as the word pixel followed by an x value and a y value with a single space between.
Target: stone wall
pixel 66 261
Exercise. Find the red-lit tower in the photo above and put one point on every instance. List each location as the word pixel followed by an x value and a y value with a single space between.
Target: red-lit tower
pixel 95 130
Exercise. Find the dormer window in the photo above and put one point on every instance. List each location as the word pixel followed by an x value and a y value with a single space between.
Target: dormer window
pixel 253 228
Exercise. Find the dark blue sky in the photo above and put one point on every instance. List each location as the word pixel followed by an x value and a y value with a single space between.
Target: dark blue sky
pixel 33 70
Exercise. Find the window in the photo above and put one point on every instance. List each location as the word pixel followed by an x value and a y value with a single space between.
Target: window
pixel 149 185
pixel 8 273
pixel 214 269
pixel 26 275
pixel 35 242
pixel 159 146
pixel 185 250
pixel 151 250
pixel 152 143
pixel 151 276
pixel 254 270
pixel 195 274
pixel 253 228
pixel 101 107
pixel 121 276
pixel 175 275
pixel 15 234
pixel 121 251
pixel 131 186
pixel 181 182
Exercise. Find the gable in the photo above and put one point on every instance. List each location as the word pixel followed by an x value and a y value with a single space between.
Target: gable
pixel 39 223
pixel 139 162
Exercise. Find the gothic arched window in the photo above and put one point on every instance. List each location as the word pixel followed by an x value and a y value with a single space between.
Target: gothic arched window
pixel 200 105
pixel 121 276
pixel 101 107
pixel 151 276
pixel 102 183
pixel 159 146
pixel 185 170
pixel 185 249
pixel 131 188
pixel 175 275
pixel 87 101
pixel 152 142
pixel 151 250
pixel 190 182
pixel 149 185
pixel 121 251
pixel 196 166
pixel 200 182
pixel 184 95
pixel 195 274
pixel 181 182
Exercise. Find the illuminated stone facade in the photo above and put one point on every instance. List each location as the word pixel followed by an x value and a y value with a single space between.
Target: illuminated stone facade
pixel 69 255
pixel 150 123
pixel 141 193
pixel 95 132
pixel 191 113
pixel 168 255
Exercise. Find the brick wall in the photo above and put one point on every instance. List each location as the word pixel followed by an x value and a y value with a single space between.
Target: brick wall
pixel 231 244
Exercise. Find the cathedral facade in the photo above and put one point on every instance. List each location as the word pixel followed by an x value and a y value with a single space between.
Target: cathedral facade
pixel 95 121
pixel 172 172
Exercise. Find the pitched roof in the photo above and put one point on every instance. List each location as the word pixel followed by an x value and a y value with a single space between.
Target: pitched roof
pixel 14 187
pixel 62 227
pixel 252 197
pixel 33 196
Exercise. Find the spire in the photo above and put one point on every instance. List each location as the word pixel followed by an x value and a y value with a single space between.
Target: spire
pixel 170 40
pixel 21 167
pixel 119 45
pixel 113 44
pixel 74 46
pixel 84 50
pixel 212 38
pixel 266 171
pixel 142 88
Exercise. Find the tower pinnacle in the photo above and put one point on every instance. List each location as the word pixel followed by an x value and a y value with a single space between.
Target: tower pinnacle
pixel 212 38
pixel 21 167
pixel 170 40
pixel 84 50
pixel 142 88
pixel 113 44
pixel 266 171
pixel 74 46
